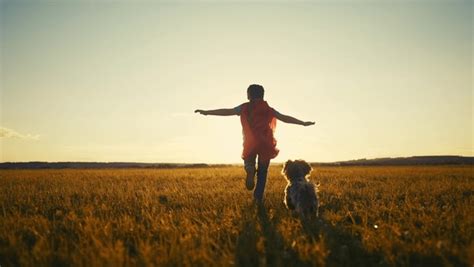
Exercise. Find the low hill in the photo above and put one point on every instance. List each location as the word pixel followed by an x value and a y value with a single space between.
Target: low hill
pixel 416 160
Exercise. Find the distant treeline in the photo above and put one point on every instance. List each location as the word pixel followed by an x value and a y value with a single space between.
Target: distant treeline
pixel 95 165
pixel 418 160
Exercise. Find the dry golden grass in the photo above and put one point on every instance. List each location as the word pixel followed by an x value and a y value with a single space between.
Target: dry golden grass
pixel 205 217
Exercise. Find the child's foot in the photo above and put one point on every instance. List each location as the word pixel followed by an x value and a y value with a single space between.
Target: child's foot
pixel 249 182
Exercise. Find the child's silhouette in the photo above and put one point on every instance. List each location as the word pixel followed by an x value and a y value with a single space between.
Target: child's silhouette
pixel 258 124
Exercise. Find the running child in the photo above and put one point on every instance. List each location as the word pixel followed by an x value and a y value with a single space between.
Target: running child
pixel 258 121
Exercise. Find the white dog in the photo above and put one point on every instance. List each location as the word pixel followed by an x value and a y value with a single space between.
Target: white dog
pixel 300 193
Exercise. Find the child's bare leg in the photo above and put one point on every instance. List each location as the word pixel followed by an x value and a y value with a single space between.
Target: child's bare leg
pixel 249 165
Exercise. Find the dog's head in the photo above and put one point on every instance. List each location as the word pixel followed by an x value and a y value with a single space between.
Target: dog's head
pixel 295 169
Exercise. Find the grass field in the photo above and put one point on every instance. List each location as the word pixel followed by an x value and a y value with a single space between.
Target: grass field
pixel 369 216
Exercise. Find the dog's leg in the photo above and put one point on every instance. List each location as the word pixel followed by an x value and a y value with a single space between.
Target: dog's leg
pixel 289 204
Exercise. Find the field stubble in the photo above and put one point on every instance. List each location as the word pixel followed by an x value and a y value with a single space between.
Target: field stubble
pixel 204 217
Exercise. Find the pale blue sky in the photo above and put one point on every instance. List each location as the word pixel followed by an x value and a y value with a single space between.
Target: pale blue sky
pixel 118 81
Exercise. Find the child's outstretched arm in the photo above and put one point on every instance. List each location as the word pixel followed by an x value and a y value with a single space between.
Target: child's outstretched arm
pixel 217 112
pixel 289 119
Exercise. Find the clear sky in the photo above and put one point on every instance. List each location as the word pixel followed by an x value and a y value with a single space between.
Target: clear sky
pixel 119 81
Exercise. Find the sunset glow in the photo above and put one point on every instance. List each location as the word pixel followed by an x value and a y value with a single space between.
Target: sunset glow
pixel 119 81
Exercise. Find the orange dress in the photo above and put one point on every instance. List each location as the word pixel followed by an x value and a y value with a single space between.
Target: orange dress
pixel 258 124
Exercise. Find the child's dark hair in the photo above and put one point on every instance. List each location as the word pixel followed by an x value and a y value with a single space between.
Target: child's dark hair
pixel 255 91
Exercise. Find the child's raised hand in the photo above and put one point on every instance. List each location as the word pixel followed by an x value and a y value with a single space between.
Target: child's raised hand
pixel 308 123
pixel 200 111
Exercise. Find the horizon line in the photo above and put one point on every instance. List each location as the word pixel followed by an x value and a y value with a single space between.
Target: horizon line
pixel 235 163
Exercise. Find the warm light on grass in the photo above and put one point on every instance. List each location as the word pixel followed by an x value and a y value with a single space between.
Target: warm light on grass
pixel 369 216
